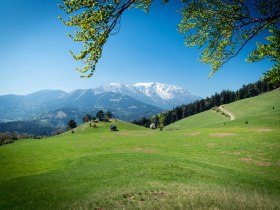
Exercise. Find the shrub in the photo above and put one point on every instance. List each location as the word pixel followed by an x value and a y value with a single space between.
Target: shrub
pixel 87 118
pixel 72 124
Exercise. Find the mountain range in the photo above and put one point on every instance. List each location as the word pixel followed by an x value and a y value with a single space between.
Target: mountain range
pixel 153 93
pixel 127 102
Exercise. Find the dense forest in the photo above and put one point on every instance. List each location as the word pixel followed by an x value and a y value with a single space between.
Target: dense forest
pixel 224 97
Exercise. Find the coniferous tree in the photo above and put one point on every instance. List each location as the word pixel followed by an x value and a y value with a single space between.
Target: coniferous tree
pixel 167 119
pixel 178 113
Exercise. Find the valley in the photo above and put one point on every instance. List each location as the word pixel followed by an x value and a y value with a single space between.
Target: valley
pixel 205 161
pixel 140 105
pixel 52 109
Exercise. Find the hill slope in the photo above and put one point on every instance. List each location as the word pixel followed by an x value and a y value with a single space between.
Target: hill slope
pixel 207 166
pixel 263 110
pixel 259 111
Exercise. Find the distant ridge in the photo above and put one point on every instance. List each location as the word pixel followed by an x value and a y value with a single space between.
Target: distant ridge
pixel 57 107
pixel 54 108
pixel 158 94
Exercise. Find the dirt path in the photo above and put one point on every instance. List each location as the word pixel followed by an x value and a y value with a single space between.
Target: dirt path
pixel 231 115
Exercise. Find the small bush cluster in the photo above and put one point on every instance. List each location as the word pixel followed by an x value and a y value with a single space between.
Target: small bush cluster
pixel 93 125
pixel 37 137
pixel 11 137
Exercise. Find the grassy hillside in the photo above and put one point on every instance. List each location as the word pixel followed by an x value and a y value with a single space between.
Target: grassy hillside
pixel 202 120
pixel 263 110
pixel 202 165
pixel 259 111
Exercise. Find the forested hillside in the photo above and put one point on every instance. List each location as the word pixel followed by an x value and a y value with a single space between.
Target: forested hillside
pixel 224 97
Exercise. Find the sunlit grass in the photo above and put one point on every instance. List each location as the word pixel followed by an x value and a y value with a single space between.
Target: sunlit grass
pixel 200 164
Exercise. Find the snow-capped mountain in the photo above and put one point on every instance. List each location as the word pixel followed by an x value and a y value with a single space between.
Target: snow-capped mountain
pixel 56 108
pixel 127 102
pixel 157 94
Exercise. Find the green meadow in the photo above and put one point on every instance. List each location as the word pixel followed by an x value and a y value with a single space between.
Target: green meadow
pixel 206 161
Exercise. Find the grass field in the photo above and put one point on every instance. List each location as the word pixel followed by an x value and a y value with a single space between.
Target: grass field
pixel 203 162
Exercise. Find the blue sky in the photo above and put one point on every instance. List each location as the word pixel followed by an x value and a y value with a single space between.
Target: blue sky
pixel 34 53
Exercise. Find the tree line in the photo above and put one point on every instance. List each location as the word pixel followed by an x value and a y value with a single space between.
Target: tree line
pixel 10 137
pixel 224 97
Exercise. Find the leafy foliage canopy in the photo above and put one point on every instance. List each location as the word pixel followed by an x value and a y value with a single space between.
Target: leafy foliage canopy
pixel 221 28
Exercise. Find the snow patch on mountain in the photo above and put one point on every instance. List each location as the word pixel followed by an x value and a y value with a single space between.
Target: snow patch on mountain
pixel 61 115
pixel 164 91
pixel 154 93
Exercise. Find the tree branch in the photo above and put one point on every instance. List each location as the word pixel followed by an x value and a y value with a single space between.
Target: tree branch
pixel 246 41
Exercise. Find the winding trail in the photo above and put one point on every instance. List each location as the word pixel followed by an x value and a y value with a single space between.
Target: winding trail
pixel 231 115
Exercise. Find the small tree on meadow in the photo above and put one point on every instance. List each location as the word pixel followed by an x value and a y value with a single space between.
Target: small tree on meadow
pixel 108 115
pixel 87 118
pixel 100 115
pixel 71 124
pixel 156 121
